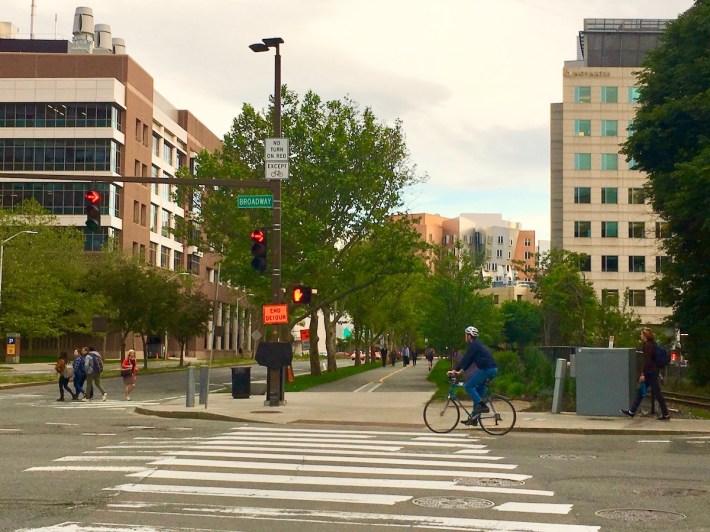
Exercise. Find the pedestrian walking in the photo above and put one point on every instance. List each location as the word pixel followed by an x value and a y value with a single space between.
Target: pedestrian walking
pixel 649 376
pixel 94 365
pixel 79 373
pixel 129 372
pixel 414 356
pixel 64 369
pixel 405 355
pixel 383 356
pixel 429 355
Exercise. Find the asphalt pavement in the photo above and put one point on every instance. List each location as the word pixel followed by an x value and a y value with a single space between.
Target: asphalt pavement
pixel 392 396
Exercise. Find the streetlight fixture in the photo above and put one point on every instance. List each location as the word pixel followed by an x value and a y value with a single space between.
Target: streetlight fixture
pixel 2 254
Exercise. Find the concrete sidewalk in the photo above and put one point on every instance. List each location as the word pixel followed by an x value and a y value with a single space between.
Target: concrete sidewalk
pixel 402 410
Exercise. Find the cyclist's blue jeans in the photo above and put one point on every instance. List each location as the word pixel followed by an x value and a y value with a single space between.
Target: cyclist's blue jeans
pixel 474 385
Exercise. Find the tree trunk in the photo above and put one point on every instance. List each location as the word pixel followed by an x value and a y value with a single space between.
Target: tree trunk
pixel 313 339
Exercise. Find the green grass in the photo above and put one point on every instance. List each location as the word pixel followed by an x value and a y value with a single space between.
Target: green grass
pixel 303 382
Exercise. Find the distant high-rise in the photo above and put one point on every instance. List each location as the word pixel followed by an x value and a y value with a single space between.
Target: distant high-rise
pixel 597 201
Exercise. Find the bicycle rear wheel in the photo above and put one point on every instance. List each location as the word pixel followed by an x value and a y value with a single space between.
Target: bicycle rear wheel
pixel 501 418
pixel 441 414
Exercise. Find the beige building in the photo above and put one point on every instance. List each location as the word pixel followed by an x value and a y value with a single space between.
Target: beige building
pixel 597 202
pixel 85 107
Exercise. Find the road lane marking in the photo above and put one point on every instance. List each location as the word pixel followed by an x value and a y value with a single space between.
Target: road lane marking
pixel 533 507
pixel 55 469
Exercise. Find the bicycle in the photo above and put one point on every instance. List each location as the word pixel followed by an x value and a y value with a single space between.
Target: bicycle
pixel 442 414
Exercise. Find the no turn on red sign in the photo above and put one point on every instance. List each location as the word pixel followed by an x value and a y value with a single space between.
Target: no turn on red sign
pixel 275 314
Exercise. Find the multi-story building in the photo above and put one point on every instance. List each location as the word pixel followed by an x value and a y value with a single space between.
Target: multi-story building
pixel 597 202
pixel 85 107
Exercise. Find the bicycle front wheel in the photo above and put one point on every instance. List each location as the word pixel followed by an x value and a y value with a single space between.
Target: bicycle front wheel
pixel 501 418
pixel 441 414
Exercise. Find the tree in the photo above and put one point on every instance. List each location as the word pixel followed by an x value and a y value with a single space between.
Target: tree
pixel 189 317
pixel 522 322
pixel 671 144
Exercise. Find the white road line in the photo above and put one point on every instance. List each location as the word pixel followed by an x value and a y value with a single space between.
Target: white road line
pixel 653 441
pixel 339 451
pixel 300 517
pixel 62 424
pixel 98 433
pixel 103 458
pixel 10 430
pixel 457 465
pixel 533 507
pixel 56 469
pixel 320 496
pixel 428 485
pixel 312 468
pixel 339 432
pixel 74 526
pixel 310 445
pixel 335 441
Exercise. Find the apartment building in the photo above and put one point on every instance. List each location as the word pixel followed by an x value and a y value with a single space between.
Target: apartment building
pixel 597 202
pixel 85 107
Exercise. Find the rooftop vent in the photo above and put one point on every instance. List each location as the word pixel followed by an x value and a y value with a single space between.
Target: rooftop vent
pixel 102 38
pixel 119 46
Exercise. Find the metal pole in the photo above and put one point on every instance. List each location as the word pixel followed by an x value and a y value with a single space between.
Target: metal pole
pixel 214 324
pixel 276 214
pixel 2 256
pixel 190 390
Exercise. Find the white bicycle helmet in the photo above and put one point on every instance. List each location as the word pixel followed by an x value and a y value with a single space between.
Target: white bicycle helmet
pixel 471 330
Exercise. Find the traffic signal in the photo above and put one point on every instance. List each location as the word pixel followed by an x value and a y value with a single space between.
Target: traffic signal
pixel 301 295
pixel 258 250
pixel 92 201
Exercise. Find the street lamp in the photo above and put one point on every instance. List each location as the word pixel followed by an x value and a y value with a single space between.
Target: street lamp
pixel 264 46
pixel 2 255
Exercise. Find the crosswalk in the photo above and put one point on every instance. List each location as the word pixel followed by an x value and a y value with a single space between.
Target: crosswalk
pixel 257 477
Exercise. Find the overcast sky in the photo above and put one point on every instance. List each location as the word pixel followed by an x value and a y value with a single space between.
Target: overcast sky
pixel 472 80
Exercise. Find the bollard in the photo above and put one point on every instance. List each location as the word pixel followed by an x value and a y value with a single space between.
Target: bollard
pixel 190 391
pixel 204 383
pixel 560 371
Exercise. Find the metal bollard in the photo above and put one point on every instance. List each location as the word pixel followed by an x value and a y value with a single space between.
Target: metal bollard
pixel 190 390
pixel 558 395
pixel 204 383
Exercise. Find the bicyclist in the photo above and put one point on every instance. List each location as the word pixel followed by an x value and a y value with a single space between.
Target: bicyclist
pixel 479 354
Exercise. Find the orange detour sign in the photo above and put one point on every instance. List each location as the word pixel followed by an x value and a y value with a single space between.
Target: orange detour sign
pixel 275 314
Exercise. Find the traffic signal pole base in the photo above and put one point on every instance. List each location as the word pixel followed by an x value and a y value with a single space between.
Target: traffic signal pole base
pixel 275 379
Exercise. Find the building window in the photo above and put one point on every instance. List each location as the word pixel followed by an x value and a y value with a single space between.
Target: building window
pixel 71 115
pixel 582 195
pixel 527 242
pixel 164 257
pixel 637 298
pixel 610 195
pixel 582 229
pixel 610 263
pixel 136 249
pixel 610 95
pixel 528 255
pixel 633 94
pixel 662 262
pixel 582 161
pixel 630 128
pixel 142 252
pixel 582 128
pixel 636 196
pixel 153 254
pixel 139 131
pixel 610 128
pixel 154 217
pixel 637 263
pixel 637 230
pixel 610 298
pixel 144 220
pixel 582 95
pixel 660 302
pixel 193 263
pixel 609 161
pixel 499 253
pixel 60 155
pixel 500 240
pixel 167 153
pixel 585 263
pixel 610 229
pixel 156 145
pixel 165 222
pixel 662 230
pixel 136 212
pixel 177 260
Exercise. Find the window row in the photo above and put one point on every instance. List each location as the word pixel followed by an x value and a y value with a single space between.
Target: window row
pixel 60 155
pixel 585 94
pixel 636 263
pixel 61 115
pixel 60 198
pixel 637 298
pixel 607 161
pixel 607 128
pixel 610 229
pixel 609 195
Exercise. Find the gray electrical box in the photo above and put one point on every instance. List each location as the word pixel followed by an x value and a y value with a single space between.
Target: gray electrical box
pixel 606 380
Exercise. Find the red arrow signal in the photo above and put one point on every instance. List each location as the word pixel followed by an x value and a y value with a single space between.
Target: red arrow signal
pixel 93 196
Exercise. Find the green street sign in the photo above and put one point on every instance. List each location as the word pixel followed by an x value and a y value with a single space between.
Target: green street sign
pixel 263 201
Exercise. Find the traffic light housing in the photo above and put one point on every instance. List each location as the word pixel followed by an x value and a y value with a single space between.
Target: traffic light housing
pixel 92 202
pixel 258 250
pixel 301 295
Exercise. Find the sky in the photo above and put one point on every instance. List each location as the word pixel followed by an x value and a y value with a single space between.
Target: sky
pixel 471 80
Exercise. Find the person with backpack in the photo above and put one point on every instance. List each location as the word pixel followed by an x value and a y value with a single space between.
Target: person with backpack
pixel 94 365
pixel 649 376
pixel 64 369
pixel 79 373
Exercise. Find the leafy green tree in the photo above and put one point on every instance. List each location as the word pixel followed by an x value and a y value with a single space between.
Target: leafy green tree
pixel 619 320
pixel 671 144
pixel 522 322
pixel 189 317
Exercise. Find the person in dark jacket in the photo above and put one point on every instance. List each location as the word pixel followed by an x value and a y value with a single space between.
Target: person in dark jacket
pixel 649 376
pixel 479 354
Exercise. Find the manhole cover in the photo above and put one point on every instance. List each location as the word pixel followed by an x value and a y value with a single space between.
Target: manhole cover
pixel 671 492
pixel 634 515
pixel 488 482
pixel 266 412
pixel 453 503
pixel 568 456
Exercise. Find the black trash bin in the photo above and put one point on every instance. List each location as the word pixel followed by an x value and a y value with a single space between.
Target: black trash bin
pixel 241 382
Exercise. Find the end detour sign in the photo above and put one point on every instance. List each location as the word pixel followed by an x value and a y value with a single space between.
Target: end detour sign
pixel 275 314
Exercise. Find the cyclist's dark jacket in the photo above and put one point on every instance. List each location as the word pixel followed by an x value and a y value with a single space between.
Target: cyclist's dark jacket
pixel 479 354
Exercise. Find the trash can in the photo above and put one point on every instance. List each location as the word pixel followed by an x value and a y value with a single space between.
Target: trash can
pixel 241 382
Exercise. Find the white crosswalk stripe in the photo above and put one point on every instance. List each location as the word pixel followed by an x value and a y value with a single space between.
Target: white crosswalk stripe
pixel 291 477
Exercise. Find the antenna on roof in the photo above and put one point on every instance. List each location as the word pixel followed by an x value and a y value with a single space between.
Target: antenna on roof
pixel 32 20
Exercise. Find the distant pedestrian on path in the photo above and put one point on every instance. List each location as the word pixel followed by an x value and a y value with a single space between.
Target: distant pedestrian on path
pixel 64 369
pixel 94 365
pixel 79 373
pixel 649 376
pixel 129 372
pixel 414 356
pixel 383 355
pixel 405 355
pixel 429 355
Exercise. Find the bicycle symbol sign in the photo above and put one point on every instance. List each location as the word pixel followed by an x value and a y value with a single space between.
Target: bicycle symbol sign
pixel 276 170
